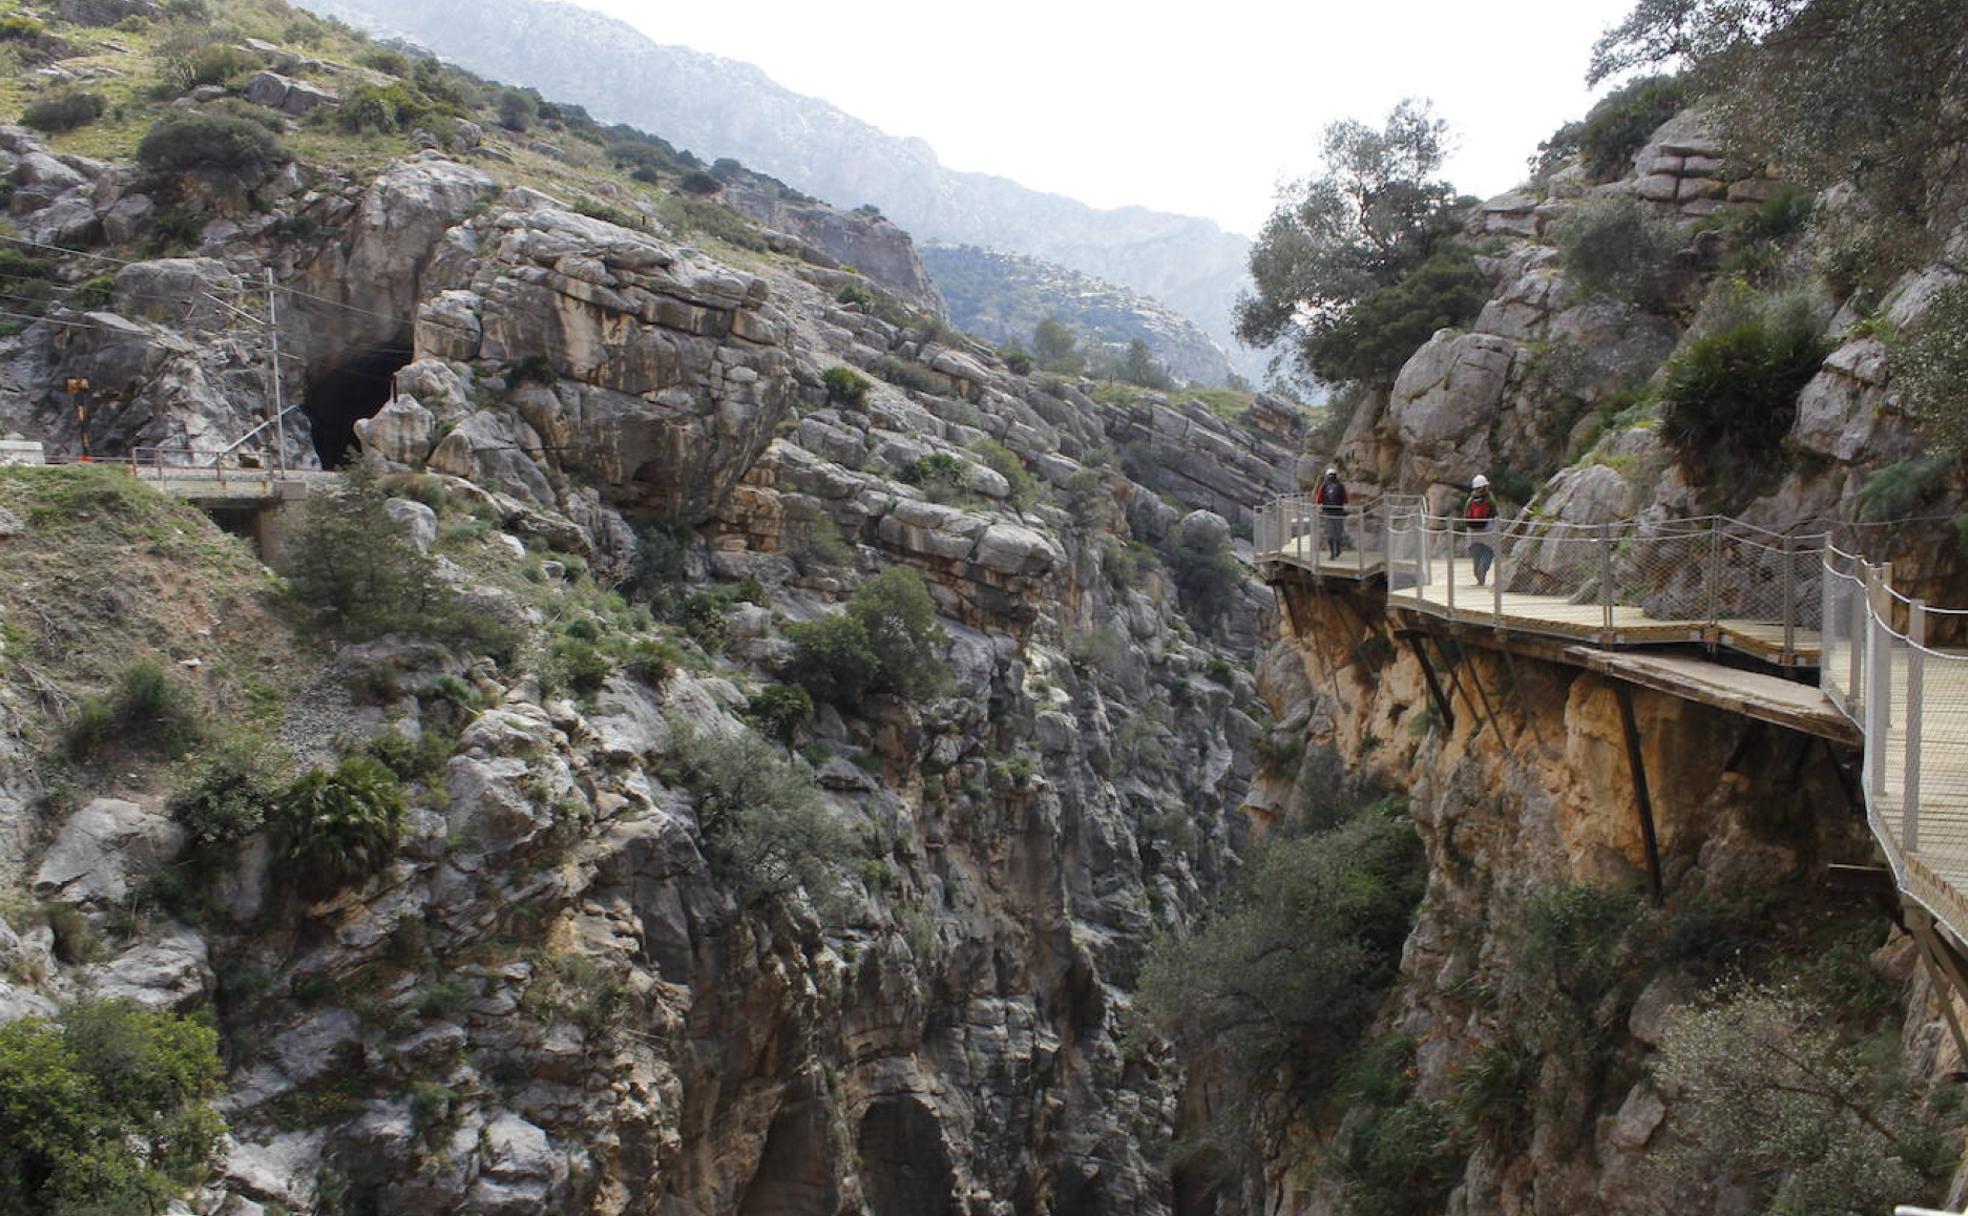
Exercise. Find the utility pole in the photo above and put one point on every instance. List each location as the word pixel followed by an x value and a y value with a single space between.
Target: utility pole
pixel 279 407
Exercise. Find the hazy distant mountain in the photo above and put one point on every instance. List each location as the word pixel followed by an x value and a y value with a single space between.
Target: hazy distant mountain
pixel 719 107
pixel 1000 296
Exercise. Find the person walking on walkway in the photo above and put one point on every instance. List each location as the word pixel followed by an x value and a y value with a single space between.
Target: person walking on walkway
pixel 1332 508
pixel 1476 517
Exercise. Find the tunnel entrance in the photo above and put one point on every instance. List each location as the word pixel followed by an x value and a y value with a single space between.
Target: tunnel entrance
pixel 353 388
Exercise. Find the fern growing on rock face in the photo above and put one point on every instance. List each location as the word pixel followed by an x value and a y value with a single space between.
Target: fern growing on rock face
pixel 332 828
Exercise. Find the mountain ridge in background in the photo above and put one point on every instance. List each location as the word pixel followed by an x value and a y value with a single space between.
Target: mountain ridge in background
pixel 721 107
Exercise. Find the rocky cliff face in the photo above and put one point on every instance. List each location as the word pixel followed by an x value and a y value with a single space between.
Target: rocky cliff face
pixel 721 108
pixel 554 1000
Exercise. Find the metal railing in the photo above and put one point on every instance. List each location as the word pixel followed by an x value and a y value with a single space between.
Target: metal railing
pixel 1708 579
pixel 1910 701
pixel 1797 595
pixel 1296 530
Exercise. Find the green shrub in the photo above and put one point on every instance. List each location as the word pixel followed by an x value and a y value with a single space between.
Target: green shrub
pixel 1278 987
pixel 1206 573
pixel 578 665
pixel 1769 1091
pixel 187 68
pixel 781 711
pixel 65 111
pixel 762 817
pixel 93 294
pixel 1729 397
pixel 17 27
pixel 1617 247
pixel 518 110
pixel 419 757
pixel 939 475
pixel 1379 333
pixel 1010 466
pixel 1575 937
pixel 150 711
pixel 354 565
pixel 333 828
pixel 1930 368
pixel 393 63
pixel 652 662
pixel 1620 125
pixel 107 1112
pixel 845 386
pixel 228 793
pixel 187 141
pixel 1898 490
pixel 75 940
pixel 910 375
pixel 699 183
pixel 1402 1161
pixel 886 641
pixel 814 541
pixel 1493 1091
pixel 382 109
pixel 702 617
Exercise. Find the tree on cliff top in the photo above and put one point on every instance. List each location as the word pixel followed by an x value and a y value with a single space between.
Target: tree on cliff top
pixel 1373 218
pixel 1830 89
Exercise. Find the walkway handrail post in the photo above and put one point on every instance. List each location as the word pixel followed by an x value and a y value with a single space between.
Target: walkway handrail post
pixel 1877 717
pixel 1606 580
pixel 1856 634
pixel 1449 533
pixel 1714 571
pixel 1496 587
pixel 1910 786
pixel 1789 600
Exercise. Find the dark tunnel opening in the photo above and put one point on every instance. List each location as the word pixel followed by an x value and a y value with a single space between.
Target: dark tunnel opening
pixel 352 389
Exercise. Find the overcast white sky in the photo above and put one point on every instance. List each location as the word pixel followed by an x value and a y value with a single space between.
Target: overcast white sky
pixel 1202 111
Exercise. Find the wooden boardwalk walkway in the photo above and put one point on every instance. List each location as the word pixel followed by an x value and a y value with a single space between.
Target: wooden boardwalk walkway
pixel 1632 602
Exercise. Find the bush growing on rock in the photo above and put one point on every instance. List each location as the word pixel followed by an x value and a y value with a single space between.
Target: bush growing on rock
pixel 65 111
pixel 1617 247
pixel 107 1111
pixel 782 711
pixel 227 795
pixel 1622 122
pixel 1729 395
pixel 1206 573
pixel 887 640
pixel 1931 369
pixel 1278 987
pixel 149 711
pixel 762 816
pixel 382 109
pixel 845 386
pixel 518 110
pixel 1384 329
pixel 1767 1089
pixel 192 62
pixel 187 141
pixel 353 564
pixel 1010 466
pixel 339 826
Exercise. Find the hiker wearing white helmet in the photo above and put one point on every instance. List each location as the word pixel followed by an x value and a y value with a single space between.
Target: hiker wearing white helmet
pixel 1476 517
pixel 1332 507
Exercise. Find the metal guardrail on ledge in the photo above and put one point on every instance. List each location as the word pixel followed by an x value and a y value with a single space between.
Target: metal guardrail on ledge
pixel 198 474
pixel 1910 700
pixel 1793 598
pixel 1706 579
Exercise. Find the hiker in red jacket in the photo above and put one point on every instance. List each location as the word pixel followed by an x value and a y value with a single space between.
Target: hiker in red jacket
pixel 1476 517
pixel 1332 507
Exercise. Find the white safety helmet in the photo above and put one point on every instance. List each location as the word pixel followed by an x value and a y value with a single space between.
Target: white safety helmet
pixel 1332 472
pixel 1480 483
